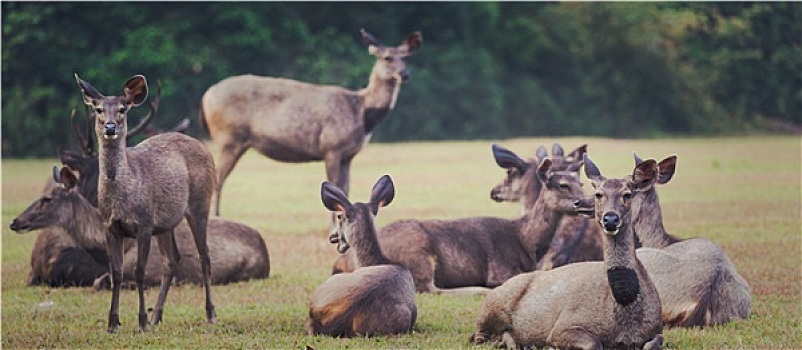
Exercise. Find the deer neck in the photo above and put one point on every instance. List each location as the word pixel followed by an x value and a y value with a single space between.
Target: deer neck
pixel 531 191
pixel 623 269
pixel 85 226
pixel 379 99
pixel 538 226
pixel 648 221
pixel 112 159
pixel 366 245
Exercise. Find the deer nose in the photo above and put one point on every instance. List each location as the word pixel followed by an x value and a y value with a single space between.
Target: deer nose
pixel 110 129
pixel 404 74
pixel 494 195
pixel 14 225
pixel 611 222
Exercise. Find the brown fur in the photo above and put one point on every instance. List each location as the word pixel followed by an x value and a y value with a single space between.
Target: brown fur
pixel 698 283
pixel 293 121
pixel 377 298
pixel 586 305
pixel 146 191
pixel 574 240
pixel 467 256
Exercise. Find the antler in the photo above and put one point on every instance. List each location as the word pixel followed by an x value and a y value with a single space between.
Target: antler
pixel 86 143
pixel 154 107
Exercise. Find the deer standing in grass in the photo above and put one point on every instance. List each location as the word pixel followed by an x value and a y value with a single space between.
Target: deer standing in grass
pixel 145 191
pixel 574 239
pixel 587 305
pixel 470 255
pixel 698 283
pixel 378 297
pixel 292 121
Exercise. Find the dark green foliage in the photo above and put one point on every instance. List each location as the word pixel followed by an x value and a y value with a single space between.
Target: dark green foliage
pixel 486 70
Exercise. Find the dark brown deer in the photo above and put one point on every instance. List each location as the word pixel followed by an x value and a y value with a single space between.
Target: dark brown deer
pixel 468 256
pixel 292 121
pixel 378 297
pixel 146 191
pixel 239 253
pixel 573 240
pixel 698 283
pixel 587 305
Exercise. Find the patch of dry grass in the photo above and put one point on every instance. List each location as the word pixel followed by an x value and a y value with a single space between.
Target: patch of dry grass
pixel 743 193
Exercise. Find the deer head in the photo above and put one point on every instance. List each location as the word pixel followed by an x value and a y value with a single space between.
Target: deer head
pixel 111 112
pixel 52 208
pixel 349 220
pixel 391 64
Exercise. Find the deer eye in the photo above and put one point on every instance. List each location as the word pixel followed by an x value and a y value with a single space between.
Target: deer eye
pixel 388 58
pixel 599 196
pixel 564 187
pixel 99 110
pixel 122 110
pixel 627 196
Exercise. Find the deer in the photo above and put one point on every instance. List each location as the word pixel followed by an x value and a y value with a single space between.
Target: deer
pixel 293 121
pixel 378 297
pixel 56 259
pixel 586 305
pixel 240 255
pixel 573 240
pixel 698 283
pixel 471 255
pixel 145 191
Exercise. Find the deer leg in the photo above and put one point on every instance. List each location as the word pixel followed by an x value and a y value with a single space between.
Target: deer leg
pixel 143 250
pixel 198 224
pixel 167 247
pixel 114 246
pixel 230 154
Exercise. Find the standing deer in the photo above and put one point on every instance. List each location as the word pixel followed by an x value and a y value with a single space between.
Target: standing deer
pixel 145 191
pixel 468 256
pixel 698 283
pixel 378 297
pixel 292 121
pixel 587 305
pixel 574 239
pixel 239 253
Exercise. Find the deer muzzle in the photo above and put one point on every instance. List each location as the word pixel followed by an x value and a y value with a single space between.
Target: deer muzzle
pixel 611 223
pixel 17 226
pixel 584 207
pixel 110 131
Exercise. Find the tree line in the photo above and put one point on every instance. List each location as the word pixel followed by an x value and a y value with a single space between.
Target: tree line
pixel 485 70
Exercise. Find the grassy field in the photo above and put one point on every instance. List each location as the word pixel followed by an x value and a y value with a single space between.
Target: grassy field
pixel 743 193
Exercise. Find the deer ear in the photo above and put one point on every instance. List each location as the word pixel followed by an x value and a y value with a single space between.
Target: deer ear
pixel 666 169
pixel 644 175
pixel 88 91
pixel 543 170
pixel 576 155
pixel 67 177
pixel 382 194
pixel 333 198
pixel 412 43
pixel 135 91
pixel 541 153
pixel 638 160
pixel 592 171
pixel 506 159
pixel 557 150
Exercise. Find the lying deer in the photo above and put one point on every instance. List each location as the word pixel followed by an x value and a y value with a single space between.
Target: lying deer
pixel 378 297
pixel 587 305
pixel 146 191
pixel 574 239
pixel 698 284
pixel 468 256
pixel 292 121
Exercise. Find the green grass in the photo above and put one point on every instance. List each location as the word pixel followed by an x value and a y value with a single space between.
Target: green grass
pixel 743 193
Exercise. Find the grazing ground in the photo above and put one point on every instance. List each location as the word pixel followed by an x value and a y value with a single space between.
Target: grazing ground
pixel 743 193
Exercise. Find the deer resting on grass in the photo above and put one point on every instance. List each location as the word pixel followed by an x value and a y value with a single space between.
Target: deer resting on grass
pixel 587 305
pixel 292 121
pixel 574 239
pixel 468 256
pixel 378 297
pixel 239 253
pixel 698 284
pixel 145 191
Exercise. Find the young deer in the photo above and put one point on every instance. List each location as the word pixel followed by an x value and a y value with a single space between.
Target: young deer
pixel 292 121
pixel 468 256
pixel 574 239
pixel 146 191
pixel 698 284
pixel 239 253
pixel 377 298
pixel 587 305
